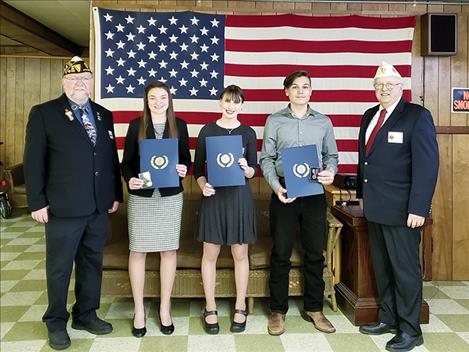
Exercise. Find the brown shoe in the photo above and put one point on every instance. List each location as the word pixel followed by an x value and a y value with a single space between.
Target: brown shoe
pixel 276 324
pixel 319 321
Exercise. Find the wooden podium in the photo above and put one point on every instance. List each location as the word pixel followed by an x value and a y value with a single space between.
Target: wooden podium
pixel 356 293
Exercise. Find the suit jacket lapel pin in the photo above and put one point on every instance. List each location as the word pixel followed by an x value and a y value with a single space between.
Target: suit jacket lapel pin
pixel 98 116
pixel 69 114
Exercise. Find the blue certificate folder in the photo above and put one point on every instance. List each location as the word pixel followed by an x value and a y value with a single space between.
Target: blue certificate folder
pixel 159 157
pixel 297 163
pixel 223 153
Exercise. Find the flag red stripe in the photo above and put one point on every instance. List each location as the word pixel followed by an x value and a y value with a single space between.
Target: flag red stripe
pixel 320 96
pixel 300 46
pixel 320 22
pixel 332 71
pixel 250 119
pixel 346 120
pixel 347 145
pixel 348 168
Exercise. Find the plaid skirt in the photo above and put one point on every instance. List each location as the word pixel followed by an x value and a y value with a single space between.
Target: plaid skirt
pixel 154 222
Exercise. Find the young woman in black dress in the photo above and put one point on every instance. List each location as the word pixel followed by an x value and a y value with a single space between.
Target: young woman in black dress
pixel 227 214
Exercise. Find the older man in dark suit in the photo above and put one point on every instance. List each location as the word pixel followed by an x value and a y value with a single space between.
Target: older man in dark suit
pixel 398 168
pixel 73 182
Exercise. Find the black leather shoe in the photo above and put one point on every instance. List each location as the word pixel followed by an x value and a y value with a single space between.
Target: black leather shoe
pixel 140 332
pixel 378 329
pixel 239 327
pixel 211 329
pixel 97 326
pixel 166 329
pixel 403 342
pixel 59 340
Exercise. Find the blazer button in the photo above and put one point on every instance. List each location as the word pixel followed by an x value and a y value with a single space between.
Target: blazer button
pixel 96 173
pixel 366 162
pixel 365 180
pixel 94 153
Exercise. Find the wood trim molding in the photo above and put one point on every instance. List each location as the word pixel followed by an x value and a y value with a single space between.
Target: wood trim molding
pixel 26 30
pixel 452 129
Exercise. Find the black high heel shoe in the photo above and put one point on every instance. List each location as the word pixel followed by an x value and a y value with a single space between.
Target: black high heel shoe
pixel 239 327
pixel 166 329
pixel 211 329
pixel 138 332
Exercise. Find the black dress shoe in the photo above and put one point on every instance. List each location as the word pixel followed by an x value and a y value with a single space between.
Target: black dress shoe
pixel 403 342
pixel 378 329
pixel 166 329
pixel 239 327
pixel 97 326
pixel 211 329
pixel 138 332
pixel 59 340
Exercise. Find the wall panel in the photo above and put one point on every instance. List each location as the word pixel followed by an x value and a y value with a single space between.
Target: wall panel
pixel 460 207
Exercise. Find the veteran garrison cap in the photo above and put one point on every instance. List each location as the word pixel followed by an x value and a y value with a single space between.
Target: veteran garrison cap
pixel 76 65
pixel 387 70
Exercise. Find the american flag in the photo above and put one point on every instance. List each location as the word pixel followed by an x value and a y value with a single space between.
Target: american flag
pixel 197 54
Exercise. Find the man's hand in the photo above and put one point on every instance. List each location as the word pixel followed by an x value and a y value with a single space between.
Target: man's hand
pixel 41 215
pixel 115 205
pixel 181 170
pixel 414 221
pixel 325 177
pixel 281 194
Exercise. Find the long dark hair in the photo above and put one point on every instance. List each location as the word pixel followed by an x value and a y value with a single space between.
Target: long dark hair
pixel 146 116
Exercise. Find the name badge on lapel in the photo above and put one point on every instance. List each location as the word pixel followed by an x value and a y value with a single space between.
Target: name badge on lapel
pixel 110 134
pixel 395 137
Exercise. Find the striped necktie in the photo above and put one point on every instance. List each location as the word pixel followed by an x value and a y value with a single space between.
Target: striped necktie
pixel 89 128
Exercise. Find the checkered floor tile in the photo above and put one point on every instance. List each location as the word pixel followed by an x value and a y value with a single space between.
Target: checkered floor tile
pixel 23 302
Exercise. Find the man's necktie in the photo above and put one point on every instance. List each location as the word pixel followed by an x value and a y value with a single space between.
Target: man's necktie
pixel 89 128
pixel 373 134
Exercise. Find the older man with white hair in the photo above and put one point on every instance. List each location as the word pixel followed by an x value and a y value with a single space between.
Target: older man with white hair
pixel 398 168
pixel 72 181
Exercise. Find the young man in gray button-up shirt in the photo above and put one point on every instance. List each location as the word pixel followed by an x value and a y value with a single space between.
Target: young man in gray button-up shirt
pixel 297 125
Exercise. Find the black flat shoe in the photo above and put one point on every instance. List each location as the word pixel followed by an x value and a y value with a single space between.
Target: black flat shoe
pixel 239 327
pixel 138 332
pixel 211 329
pixel 166 329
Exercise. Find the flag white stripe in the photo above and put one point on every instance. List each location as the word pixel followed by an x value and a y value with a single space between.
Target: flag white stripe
pixel 318 34
pixel 97 56
pixel 316 83
pixel 261 107
pixel 348 158
pixel 342 133
pixel 319 59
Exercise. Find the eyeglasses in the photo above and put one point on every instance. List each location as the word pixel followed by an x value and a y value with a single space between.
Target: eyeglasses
pixel 389 86
pixel 78 79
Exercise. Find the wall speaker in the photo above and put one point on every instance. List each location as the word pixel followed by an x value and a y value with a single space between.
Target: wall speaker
pixel 439 34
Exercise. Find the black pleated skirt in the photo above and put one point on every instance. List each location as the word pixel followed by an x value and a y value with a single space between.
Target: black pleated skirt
pixel 228 217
